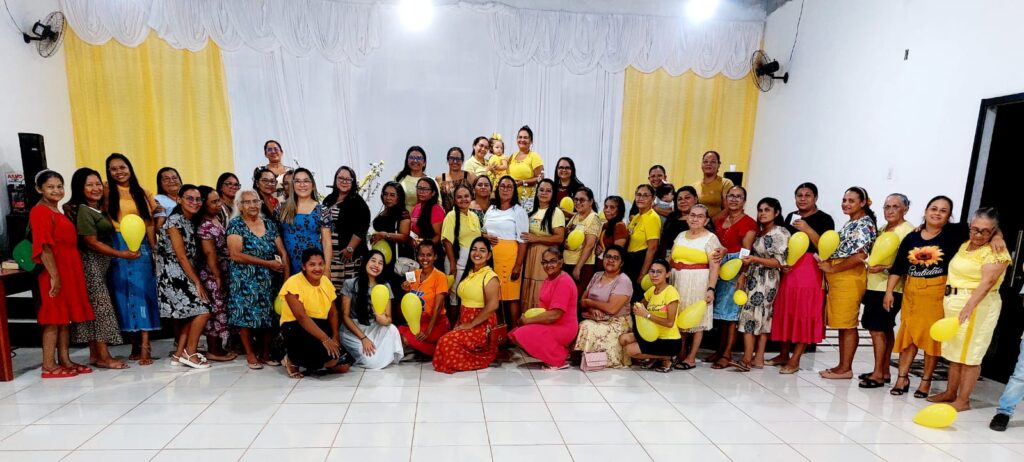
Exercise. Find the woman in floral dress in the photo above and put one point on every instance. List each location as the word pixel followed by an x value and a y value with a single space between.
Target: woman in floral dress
pixel 761 282
pixel 213 242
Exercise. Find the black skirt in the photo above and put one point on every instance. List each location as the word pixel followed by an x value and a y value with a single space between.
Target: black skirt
pixel 305 350
pixel 660 347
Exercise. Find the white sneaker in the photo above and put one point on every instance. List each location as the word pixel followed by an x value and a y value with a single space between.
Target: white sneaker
pixel 198 363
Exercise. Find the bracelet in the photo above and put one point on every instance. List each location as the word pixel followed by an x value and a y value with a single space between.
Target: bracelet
pixel 362 338
pixel 711 289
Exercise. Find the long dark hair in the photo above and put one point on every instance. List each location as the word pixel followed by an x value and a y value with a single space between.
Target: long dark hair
pixel 574 183
pixel 496 195
pixel 940 198
pixel 78 180
pixel 333 196
pixel 114 195
pixel 181 191
pixel 405 166
pixel 612 222
pixel 545 222
pixel 458 219
pixel 775 205
pixel 395 212
pixel 361 302
pixel 423 221
pixel 160 173
pixel 863 193
pixel 222 179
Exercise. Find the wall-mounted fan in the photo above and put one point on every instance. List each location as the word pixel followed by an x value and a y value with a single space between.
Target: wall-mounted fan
pixel 47 34
pixel 763 69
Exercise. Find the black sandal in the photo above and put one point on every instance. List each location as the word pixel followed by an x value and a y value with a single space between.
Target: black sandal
pixel 901 391
pixel 867 375
pixel 665 367
pixel 683 366
pixel 922 394
pixel 870 383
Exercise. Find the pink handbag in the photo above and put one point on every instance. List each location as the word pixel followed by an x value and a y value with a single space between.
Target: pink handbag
pixel 595 361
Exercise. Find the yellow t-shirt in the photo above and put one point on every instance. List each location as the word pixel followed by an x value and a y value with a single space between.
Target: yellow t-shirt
pixel 469 229
pixel 965 268
pixel 711 194
pixel 471 289
pixel 317 300
pixel 642 228
pixel 557 221
pixel 475 166
pixel 496 160
pixel 591 226
pixel 878 281
pixel 523 170
pixel 127 205
pixel 657 304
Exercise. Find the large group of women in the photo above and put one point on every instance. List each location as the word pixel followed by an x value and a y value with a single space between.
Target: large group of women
pixel 483 247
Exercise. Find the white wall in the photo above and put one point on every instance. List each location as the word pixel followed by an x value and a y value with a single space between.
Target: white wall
pixel 33 97
pixel 854 110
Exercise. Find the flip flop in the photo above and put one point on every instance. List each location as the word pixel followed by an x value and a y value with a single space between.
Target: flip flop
pixel 786 370
pixel 59 372
pixel 739 365
pixel 80 369
pixel 683 366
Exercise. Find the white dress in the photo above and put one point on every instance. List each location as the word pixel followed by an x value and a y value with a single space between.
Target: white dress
pixel 692 284
pixel 386 339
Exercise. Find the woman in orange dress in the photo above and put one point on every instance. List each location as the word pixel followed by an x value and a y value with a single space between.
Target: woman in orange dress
pixel 470 345
pixel 431 286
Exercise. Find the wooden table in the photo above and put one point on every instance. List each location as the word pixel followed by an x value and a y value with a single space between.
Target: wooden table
pixel 13 281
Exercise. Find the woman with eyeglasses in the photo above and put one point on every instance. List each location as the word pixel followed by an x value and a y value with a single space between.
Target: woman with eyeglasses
pixel 427 215
pixel 470 345
pixel 459 229
pixel 659 305
pixel 579 262
pixel 477 164
pixel 736 231
pixel 275 163
pixel 227 187
pixel 414 169
pixel 304 221
pixel 547 228
pixel 505 223
pixel 483 189
pixel 348 218
pixel 265 184
pixel 644 236
pixel 526 167
pixel 713 187
pixel 566 183
pixel 695 281
pixel 604 307
pixel 167 183
pixel 454 177
pixel 213 269
pixel 547 336
pixel 257 252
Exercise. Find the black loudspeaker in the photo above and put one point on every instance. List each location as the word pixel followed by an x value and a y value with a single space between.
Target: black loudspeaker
pixel 735 177
pixel 33 160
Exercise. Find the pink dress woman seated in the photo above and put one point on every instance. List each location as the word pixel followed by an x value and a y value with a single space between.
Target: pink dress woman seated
pixel 549 336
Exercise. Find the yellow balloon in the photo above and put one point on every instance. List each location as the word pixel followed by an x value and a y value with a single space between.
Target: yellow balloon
pixel 133 230
pixel 379 297
pixel 566 204
pixel 648 329
pixel 451 281
pixel 938 415
pixel 692 315
pixel 383 247
pixel 646 283
pixel 575 239
pixel 884 250
pixel 944 329
pixel 533 312
pixel 827 244
pixel 279 304
pixel 601 216
pixel 730 269
pixel 739 297
pixel 798 243
pixel 412 309
pixel 688 255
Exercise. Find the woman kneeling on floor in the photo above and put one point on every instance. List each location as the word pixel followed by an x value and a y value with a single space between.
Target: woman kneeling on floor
pixel 309 319
pixel 660 305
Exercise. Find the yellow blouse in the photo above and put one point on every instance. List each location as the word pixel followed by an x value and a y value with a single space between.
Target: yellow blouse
pixel 965 268
pixel 471 289
pixel 317 300
pixel 469 229
pixel 523 170
pixel 127 204
pixel 657 305
pixel 712 194
pixel 475 166
pixel 591 226
pixel 557 221
pixel 643 228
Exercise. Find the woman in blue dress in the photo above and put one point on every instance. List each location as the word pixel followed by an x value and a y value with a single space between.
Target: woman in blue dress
pixel 304 221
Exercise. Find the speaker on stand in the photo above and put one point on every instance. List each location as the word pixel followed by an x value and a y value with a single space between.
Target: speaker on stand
pixel 735 177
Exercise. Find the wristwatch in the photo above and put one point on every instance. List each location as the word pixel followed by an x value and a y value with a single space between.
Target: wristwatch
pixel 648 315
pixel 711 289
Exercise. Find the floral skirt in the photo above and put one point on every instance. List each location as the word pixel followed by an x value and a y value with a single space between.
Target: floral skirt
pixel 603 336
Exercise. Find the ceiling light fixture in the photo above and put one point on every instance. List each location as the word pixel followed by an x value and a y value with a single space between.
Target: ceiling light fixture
pixel 416 15
pixel 701 10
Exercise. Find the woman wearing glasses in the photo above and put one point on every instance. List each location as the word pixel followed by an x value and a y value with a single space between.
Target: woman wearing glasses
pixel 304 221
pixel 453 178
pixel 644 235
pixel 579 262
pixel 415 168
pixel 713 187
pixel 695 281
pixel 660 305
pixel 275 163
pixel 348 218
pixel 265 184
pixel 566 183
pixel 548 335
pixel 736 231
pixel 505 223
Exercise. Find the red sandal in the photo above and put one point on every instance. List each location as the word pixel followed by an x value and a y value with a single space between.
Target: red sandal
pixel 59 373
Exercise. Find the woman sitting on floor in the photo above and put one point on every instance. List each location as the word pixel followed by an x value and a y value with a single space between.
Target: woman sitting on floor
pixel 309 320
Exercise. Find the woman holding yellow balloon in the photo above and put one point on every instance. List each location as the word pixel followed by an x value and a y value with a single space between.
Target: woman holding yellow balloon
pixel 370 337
pixel 878 319
pixel 566 183
pixel 972 295
pixel 132 282
pixel 797 316
pixel 547 228
pixel 580 245
pixel 695 272
pixel 760 282
pixel 547 336
pixel 736 231
pixel 604 307
pixel 391 230
pixel 309 320
pixel 847 278
pixel 655 337
pixel 644 235
pixel 459 229
pixel 430 288
pixel 470 345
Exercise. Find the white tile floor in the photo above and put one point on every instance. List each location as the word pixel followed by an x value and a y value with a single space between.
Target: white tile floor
pixel 515 413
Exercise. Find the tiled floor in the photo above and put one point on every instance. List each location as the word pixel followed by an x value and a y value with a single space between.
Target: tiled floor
pixel 515 413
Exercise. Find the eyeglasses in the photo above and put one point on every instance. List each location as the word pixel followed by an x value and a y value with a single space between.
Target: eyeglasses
pixel 981 232
pixel 268 181
pixel 424 188
pixel 231 184
pixel 738 197
pixel 454 159
pixel 192 199
pixel 417 158
pixel 344 180
pixel 272 150
pixel 550 262
pixel 697 215
pixel 643 196
pixel 612 258
pixel 579 199
pixel 302 181
pixel 564 167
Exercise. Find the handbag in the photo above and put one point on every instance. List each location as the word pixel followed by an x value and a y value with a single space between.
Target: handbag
pixel 594 361
pixel 498 335
pixel 404 264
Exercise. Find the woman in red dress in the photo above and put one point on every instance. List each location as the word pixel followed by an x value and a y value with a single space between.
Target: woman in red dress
pixel 470 345
pixel 548 335
pixel 62 281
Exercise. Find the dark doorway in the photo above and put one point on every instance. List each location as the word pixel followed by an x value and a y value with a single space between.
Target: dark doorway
pixel 995 171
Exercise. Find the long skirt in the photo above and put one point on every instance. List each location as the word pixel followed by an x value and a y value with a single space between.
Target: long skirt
pixel 725 308
pixel 845 292
pixel 428 345
pixel 692 285
pixel 466 350
pixel 971 342
pixel 797 316
pixel 505 253
pixel 922 306
pixel 303 349
pixel 533 276
pixel 386 339
pixel 133 287
pixel 104 328
pixel 603 336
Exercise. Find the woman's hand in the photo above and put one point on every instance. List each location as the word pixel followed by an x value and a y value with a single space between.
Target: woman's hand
pixel 747 259
pixel 965 314
pixel 801 225
pixel 54 285
pixel 406 286
pixel 377 236
pixel 528 238
pixel 201 291
pixel 888 300
pixel 276 266
pixel 640 310
pixel 717 255
pixel 368 347
pixel 345 254
pixel 381 319
pixel 576 271
pixel 332 347
pixel 492 238
pixel 786 269
pixel 128 254
pixel 463 327
pixel 741 282
pixel 516 271
pixel 709 297
pixel 825 267
pixel 877 268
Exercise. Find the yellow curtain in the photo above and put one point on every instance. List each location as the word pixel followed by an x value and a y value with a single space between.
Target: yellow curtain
pixel 155 104
pixel 672 121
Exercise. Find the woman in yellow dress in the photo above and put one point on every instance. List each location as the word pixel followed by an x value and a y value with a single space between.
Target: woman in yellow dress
pixel 526 166
pixel 972 296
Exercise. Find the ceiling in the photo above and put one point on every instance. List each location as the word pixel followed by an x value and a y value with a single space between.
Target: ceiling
pixel 729 10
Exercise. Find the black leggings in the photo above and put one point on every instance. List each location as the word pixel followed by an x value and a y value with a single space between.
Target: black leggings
pixel 305 350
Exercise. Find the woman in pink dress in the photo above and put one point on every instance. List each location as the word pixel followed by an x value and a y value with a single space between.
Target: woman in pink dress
pixel 549 335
